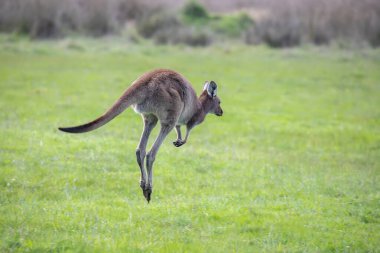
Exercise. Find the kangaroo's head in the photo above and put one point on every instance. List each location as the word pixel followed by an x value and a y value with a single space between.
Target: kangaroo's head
pixel 210 101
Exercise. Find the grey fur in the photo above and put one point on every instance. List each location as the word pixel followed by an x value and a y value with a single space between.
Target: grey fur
pixel 165 96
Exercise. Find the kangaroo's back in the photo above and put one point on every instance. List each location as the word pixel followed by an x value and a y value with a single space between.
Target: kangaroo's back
pixel 166 90
pixel 153 92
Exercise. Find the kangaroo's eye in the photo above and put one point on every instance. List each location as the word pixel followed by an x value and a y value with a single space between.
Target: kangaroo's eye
pixel 219 102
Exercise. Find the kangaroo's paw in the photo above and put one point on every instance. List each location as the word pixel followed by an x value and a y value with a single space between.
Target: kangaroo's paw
pixel 178 143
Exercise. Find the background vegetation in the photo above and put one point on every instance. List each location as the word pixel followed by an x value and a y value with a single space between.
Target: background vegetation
pixel 292 166
pixel 276 23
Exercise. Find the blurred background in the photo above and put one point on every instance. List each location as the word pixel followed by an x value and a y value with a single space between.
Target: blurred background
pixel 276 23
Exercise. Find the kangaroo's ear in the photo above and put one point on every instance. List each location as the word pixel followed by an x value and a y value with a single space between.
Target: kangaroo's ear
pixel 211 88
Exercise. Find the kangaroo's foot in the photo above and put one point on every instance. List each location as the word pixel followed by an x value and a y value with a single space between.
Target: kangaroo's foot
pixel 147 191
pixel 178 143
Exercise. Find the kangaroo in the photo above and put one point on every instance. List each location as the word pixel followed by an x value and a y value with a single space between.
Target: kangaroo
pixel 160 95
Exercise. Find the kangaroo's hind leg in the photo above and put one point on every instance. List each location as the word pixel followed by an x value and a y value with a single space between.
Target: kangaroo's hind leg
pixel 151 156
pixel 168 113
pixel 150 122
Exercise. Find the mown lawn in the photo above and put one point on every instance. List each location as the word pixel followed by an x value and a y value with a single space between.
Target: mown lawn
pixel 292 166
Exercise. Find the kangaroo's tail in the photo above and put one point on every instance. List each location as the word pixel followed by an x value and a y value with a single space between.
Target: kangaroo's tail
pixel 120 105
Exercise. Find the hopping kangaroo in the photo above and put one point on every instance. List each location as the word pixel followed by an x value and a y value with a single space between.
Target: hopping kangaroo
pixel 165 96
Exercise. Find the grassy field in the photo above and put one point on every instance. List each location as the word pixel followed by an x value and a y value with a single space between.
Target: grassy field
pixel 292 166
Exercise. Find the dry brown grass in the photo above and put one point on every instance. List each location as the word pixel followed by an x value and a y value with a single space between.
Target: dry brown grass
pixel 52 18
pixel 290 22
pixel 278 23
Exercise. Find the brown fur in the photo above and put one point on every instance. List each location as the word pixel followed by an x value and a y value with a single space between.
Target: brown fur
pixel 160 95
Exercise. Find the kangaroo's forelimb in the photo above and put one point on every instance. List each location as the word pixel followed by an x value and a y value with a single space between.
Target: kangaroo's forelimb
pixel 179 142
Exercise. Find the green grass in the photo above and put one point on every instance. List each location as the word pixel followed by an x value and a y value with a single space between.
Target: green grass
pixel 292 166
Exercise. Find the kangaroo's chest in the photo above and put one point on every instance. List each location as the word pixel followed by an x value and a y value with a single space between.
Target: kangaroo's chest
pixel 186 115
pixel 182 120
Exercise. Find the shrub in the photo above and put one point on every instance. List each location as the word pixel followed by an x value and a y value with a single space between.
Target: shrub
pixel 231 25
pixel 194 11
pixel 275 33
pixel 227 25
pixel 52 18
pixel 291 22
pixel 184 35
pixel 36 18
pixel 166 28
pixel 285 23
pixel 156 21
